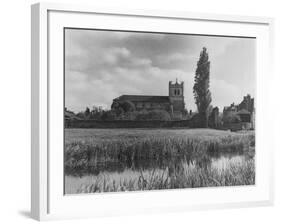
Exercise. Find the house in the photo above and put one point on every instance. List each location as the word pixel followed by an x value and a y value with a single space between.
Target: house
pixel 244 112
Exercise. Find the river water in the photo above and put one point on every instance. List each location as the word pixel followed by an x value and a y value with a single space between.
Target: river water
pixel 121 171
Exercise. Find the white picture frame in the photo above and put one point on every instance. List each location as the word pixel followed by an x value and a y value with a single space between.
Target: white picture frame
pixel 47 199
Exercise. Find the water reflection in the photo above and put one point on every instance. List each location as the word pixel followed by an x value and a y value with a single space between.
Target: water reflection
pixel 219 160
pixel 119 172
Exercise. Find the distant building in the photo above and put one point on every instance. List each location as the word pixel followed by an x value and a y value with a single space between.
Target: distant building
pixel 247 104
pixel 245 111
pixel 173 103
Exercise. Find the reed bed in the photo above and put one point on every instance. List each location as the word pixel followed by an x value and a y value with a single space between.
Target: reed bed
pixel 184 176
pixel 82 156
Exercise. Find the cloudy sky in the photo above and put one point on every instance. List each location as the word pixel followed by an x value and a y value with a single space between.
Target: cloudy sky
pixel 102 65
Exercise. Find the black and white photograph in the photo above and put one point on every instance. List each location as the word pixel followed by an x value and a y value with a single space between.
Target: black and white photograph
pixel 157 111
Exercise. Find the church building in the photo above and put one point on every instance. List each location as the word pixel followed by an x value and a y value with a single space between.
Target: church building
pixel 173 103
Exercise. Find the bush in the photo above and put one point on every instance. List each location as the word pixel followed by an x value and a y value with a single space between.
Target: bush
pixel 158 115
pixel 131 116
pixel 196 121
pixel 231 118
pixel 109 116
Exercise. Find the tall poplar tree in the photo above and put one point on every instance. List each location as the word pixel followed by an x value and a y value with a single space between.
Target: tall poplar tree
pixel 202 94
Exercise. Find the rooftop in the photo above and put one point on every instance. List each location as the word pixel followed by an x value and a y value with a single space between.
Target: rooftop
pixel 243 111
pixel 144 98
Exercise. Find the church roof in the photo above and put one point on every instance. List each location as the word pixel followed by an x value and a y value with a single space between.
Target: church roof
pixel 144 98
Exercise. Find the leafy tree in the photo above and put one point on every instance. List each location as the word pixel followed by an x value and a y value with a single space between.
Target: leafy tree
pixel 96 113
pixel 214 119
pixel 231 118
pixel 109 116
pixel 125 106
pixel 128 106
pixel 201 86
pixel 87 112
pixel 131 116
pixel 81 115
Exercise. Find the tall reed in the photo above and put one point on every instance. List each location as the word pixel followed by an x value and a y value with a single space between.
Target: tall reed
pixel 186 176
pixel 82 156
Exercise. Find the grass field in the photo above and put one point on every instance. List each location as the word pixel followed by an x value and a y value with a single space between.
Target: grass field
pixel 103 135
pixel 86 149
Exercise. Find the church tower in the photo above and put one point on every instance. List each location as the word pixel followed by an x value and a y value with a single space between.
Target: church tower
pixel 176 96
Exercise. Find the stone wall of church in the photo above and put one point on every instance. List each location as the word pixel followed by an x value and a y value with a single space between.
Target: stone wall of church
pixel 152 106
pixel 178 105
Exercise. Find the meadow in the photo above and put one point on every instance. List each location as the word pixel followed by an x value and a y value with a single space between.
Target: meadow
pixel 104 160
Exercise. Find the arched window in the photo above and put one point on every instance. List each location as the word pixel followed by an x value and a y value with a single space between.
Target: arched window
pixel 175 92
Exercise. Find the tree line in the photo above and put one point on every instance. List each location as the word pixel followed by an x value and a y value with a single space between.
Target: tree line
pixel 123 112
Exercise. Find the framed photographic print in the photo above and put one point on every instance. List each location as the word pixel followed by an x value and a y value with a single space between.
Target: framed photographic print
pixel 148 111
